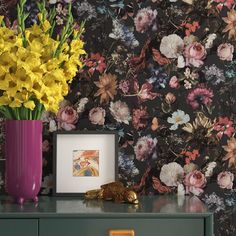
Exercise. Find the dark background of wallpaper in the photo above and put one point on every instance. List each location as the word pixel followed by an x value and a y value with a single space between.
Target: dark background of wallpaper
pixel 99 17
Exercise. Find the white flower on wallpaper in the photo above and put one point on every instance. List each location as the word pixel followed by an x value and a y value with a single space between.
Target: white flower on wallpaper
pixel 210 40
pixel 172 174
pixel 80 106
pixel 172 46
pixel 178 118
pixel 210 168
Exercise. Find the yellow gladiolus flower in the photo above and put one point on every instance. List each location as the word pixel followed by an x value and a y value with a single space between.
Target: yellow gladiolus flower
pixel 12 88
pixel 38 89
pixel 15 103
pixel 40 17
pixel 5 82
pixel 52 64
pixel 23 80
pixel 46 26
pixel 21 54
pixel 7 60
pixel 30 105
pixel 35 68
pixel 4 100
pixel 36 46
pixel 3 71
pixel 77 46
pixel 23 95
pixel 71 70
pixel 35 31
pixel 63 57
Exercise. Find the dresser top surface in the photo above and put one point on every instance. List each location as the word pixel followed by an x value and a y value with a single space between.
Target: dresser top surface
pixel 77 207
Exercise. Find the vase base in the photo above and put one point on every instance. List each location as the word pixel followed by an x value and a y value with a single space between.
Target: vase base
pixel 21 200
pixel 36 199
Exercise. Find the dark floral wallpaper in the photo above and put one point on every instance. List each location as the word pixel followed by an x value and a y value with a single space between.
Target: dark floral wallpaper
pixel 163 74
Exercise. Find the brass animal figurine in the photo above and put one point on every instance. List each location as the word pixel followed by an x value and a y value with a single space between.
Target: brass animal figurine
pixel 114 191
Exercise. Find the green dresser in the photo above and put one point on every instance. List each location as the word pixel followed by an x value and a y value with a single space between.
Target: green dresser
pixel 154 216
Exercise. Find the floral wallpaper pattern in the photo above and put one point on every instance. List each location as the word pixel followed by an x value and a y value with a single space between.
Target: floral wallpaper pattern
pixel 163 74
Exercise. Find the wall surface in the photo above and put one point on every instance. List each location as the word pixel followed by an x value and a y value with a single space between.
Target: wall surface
pixel 162 73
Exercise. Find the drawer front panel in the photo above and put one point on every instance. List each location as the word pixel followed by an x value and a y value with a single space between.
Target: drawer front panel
pixel 141 227
pixel 18 227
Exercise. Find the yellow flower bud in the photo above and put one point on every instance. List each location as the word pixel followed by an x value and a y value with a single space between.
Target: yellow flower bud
pixel 1 19
pixel 30 105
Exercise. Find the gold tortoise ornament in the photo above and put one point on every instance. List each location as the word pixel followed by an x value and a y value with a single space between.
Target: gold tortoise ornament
pixel 114 191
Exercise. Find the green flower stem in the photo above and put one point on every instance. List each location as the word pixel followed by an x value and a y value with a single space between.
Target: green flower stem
pixel 22 113
pixel 82 27
pixel 52 14
pixel 17 113
pixel 30 115
pixel 5 112
pixel 21 17
pixel 37 113
pixel 42 10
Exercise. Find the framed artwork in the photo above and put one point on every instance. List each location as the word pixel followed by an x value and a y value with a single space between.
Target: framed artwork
pixel 83 160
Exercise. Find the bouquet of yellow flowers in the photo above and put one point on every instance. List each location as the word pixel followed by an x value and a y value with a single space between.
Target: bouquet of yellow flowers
pixel 35 67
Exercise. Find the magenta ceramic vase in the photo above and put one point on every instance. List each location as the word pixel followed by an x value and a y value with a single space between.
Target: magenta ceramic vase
pixel 23 159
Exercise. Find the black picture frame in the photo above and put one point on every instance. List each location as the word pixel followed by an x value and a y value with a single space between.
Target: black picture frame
pixel 55 135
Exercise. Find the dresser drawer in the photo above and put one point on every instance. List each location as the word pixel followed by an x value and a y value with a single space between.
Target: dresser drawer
pixel 141 227
pixel 19 227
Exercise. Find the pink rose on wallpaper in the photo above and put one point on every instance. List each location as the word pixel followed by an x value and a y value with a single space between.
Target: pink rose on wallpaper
pixel 195 53
pixel 67 117
pixel 144 148
pixel 97 116
pixel 174 83
pixel 225 180
pixel 195 181
pixel 225 52
pixel 144 19
pixel 200 96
